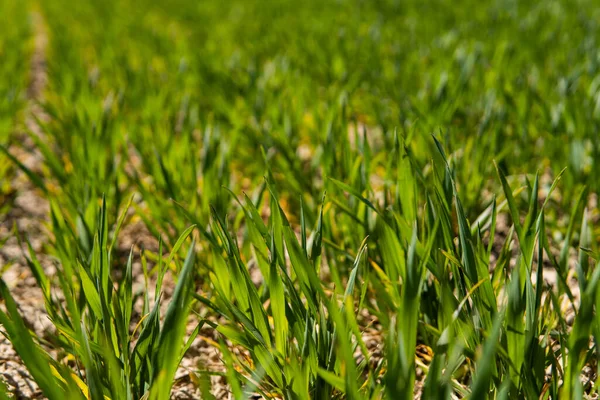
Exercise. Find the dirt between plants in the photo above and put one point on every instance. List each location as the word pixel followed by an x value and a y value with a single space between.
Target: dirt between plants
pixel 27 214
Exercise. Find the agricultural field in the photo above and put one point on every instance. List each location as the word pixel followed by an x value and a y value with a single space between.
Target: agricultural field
pixel 284 199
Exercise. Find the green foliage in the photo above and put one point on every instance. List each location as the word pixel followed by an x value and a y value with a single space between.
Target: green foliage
pixel 288 146
pixel 15 51
pixel 93 321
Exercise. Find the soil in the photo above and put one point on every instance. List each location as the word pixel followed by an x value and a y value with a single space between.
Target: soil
pixel 27 214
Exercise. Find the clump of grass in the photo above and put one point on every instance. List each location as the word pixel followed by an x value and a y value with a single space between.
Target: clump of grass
pixel 93 321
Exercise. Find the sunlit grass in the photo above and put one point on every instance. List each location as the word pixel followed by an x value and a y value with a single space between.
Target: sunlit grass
pixel 313 173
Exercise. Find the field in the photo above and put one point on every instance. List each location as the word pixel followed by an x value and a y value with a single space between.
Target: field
pixel 279 199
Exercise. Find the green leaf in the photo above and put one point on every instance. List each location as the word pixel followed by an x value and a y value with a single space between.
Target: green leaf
pixel 168 350
pixel 35 359
pixel 486 365
pixel 91 294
